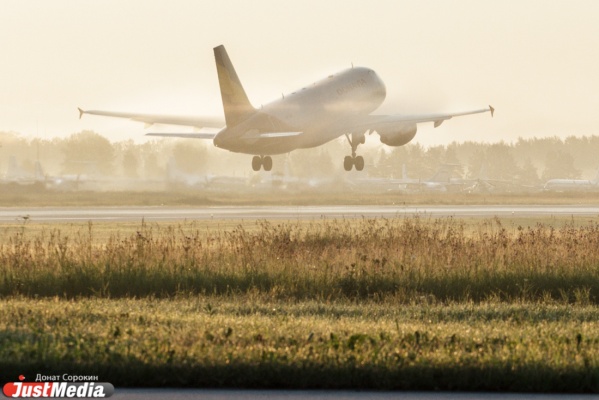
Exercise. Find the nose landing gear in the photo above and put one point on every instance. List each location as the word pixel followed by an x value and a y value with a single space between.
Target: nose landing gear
pixel 354 161
pixel 259 162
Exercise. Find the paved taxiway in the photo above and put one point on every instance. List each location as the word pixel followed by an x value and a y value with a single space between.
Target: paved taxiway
pixel 71 214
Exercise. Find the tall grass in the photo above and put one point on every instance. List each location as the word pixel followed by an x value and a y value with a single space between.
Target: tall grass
pixel 439 260
pixel 405 303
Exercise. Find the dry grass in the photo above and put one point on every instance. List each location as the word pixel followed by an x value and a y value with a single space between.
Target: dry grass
pixel 403 303
pixel 443 260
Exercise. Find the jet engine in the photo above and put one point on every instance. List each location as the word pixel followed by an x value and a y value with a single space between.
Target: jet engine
pixel 397 136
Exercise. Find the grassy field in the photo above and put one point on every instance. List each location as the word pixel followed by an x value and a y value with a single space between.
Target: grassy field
pixel 403 303
pixel 252 341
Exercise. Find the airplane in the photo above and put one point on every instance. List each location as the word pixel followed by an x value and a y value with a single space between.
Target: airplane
pixel 340 104
pixel 561 185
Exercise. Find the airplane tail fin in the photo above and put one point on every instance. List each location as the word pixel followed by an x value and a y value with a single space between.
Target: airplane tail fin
pixel 443 174
pixel 235 102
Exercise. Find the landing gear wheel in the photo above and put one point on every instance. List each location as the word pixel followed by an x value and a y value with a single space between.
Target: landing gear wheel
pixel 354 161
pixel 359 163
pixel 267 163
pixel 348 163
pixel 257 163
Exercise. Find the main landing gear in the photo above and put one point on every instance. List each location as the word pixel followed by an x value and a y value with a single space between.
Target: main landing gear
pixel 353 160
pixel 261 162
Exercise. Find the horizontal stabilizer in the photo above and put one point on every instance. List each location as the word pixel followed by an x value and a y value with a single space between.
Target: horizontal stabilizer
pixel 198 135
pixel 150 119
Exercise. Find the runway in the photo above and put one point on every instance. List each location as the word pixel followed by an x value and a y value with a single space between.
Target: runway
pixel 165 213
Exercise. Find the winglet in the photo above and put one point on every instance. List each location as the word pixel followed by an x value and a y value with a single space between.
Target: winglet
pixel 492 110
pixel 81 112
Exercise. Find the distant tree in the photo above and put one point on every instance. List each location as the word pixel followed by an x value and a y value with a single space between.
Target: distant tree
pixel 87 152
pixel 559 164
pixel 585 150
pixel 390 162
pixel 451 158
pixel 451 154
pixel 151 166
pixel 380 166
pixel 418 164
pixel 528 173
pixel 309 163
pixel 477 161
pixel 190 157
pixel 323 162
pixel 433 157
pixel 501 163
pixel 130 163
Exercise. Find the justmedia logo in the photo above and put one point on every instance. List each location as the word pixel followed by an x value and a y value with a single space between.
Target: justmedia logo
pixel 52 386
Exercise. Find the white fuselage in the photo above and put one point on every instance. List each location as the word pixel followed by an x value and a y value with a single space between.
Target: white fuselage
pixel 320 112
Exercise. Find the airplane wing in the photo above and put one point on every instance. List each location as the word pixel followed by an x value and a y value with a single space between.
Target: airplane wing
pixel 149 119
pixel 210 134
pixel 439 118
pixel 373 122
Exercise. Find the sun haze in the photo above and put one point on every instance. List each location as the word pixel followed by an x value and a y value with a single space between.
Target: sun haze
pixel 534 61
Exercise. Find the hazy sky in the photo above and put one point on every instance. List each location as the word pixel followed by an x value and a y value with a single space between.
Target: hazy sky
pixel 536 62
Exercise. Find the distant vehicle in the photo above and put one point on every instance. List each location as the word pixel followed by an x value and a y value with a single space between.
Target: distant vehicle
pixel 562 185
pixel 309 117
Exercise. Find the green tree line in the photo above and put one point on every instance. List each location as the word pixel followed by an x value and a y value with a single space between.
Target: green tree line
pixel 526 161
